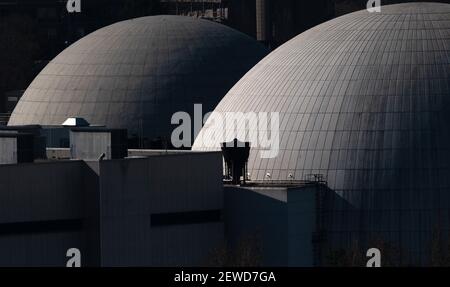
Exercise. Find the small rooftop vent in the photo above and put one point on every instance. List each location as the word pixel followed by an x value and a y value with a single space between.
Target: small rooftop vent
pixel 75 122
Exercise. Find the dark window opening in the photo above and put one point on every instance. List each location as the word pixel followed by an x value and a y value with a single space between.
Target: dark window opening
pixel 51 226
pixel 185 218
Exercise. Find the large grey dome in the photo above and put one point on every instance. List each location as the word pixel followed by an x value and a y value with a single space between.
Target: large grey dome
pixel 135 74
pixel 363 99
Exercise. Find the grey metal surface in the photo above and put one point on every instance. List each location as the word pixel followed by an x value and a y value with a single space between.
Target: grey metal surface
pixel 135 74
pixel 363 99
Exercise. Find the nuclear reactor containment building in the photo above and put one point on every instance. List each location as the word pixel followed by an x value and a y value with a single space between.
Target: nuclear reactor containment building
pixel 363 100
pixel 136 74
pixel 363 159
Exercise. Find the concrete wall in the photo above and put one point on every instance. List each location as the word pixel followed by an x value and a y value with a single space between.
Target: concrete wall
pixel 302 224
pixel 107 210
pixel 265 222
pixel 282 222
pixel 56 136
pixel 90 145
pixel 43 212
pixel 8 150
pixel 159 185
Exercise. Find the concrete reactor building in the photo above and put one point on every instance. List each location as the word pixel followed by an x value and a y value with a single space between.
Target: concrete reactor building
pixel 363 103
pixel 362 158
pixel 136 74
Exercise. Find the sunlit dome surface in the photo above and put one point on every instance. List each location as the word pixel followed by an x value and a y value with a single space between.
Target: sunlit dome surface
pixel 362 91
pixel 364 100
pixel 135 74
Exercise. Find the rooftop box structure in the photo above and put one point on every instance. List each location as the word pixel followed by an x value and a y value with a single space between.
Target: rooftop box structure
pixel 98 143
pixel 16 148
pixel 39 141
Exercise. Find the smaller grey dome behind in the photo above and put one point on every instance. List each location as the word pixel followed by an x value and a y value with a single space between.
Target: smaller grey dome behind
pixel 135 74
